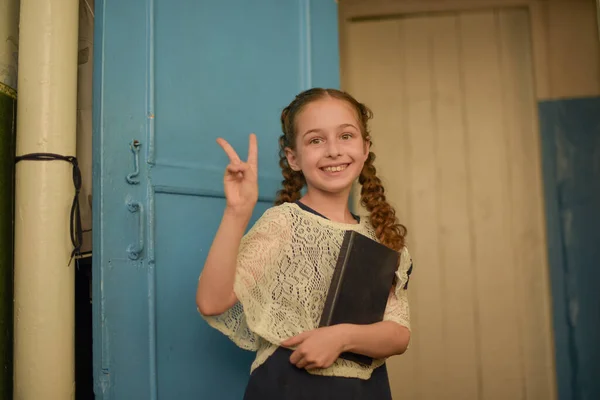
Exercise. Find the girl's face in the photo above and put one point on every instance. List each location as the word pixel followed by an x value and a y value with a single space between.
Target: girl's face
pixel 330 150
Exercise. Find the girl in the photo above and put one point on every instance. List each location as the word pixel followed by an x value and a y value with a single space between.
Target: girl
pixel 266 290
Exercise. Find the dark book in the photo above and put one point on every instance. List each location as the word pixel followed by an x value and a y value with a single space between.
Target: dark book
pixel 360 286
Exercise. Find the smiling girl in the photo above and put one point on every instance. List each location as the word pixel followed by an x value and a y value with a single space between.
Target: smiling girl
pixel 266 290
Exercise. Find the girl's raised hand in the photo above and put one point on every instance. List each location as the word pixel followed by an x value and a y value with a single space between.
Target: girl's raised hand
pixel 241 179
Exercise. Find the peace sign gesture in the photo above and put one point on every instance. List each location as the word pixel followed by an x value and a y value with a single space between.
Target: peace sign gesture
pixel 241 178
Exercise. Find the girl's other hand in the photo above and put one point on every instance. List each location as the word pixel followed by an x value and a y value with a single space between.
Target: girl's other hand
pixel 318 348
pixel 241 179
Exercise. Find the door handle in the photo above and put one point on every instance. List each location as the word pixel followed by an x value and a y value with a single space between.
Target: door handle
pixel 134 250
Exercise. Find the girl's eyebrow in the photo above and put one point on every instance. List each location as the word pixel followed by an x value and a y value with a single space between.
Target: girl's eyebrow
pixel 317 130
pixel 346 126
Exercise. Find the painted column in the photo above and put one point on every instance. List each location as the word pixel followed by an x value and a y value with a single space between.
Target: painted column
pixel 9 32
pixel 46 122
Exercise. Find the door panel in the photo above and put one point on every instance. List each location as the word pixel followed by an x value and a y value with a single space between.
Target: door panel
pixel 184 228
pixel 216 64
pixel 175 75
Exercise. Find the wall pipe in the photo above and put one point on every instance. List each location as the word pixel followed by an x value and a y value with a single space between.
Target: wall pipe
pixel 46 123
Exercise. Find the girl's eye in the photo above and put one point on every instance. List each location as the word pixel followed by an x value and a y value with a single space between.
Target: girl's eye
pixel 315 141
pixel 347 136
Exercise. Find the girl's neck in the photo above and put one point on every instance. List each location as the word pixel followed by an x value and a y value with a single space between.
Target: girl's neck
pixel 333 206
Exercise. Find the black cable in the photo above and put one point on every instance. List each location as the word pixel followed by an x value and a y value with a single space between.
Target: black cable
pixel 76 230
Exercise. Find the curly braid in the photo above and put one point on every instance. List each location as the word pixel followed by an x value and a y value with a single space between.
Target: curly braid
pixel 293 181
pixel 382 215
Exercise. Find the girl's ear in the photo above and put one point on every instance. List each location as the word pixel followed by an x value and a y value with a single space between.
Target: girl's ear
pixel 292 159
pixel 367 147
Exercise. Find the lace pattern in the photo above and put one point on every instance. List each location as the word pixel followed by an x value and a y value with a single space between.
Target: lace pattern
pixel 284 268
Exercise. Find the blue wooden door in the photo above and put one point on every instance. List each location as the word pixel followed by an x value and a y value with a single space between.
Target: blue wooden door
pixel 170 77
pixel 571 151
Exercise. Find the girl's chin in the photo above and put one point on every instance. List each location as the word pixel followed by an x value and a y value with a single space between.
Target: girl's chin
pixel 333 187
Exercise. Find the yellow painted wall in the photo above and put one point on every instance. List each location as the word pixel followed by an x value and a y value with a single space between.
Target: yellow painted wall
pixel 572 48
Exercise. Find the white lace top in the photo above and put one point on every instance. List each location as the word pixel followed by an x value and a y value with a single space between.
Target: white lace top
pixel 284 268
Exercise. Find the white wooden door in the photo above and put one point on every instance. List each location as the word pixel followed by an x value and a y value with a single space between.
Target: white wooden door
pixel 457 142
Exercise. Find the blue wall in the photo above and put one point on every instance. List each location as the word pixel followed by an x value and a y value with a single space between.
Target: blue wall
pixel 570 132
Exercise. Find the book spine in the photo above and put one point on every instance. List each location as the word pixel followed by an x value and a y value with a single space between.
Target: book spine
pixel 336 281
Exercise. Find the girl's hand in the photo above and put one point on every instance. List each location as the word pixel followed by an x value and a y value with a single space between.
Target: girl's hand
pixel 318 348
pixel 241 179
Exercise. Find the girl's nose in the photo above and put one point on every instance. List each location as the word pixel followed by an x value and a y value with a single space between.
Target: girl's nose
pixel 333 149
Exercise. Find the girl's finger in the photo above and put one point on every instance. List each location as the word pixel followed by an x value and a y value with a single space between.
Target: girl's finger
pixel 302 363
pixel 237 168
pixel 252 150
pixel 233 157
pixel 294 340
pixel 295 357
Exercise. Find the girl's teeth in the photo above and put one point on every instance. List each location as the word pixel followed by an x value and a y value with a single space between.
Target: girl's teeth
pixel 336 169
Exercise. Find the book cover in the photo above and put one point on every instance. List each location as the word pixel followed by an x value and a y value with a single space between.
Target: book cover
pixel 360 286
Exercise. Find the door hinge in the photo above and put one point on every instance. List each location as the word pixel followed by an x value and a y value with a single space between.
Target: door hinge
pixel 102 384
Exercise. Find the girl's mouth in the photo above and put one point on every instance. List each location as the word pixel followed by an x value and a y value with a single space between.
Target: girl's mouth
pixel 337 168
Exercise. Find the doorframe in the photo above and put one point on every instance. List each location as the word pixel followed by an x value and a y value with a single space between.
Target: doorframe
pixel 356 10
